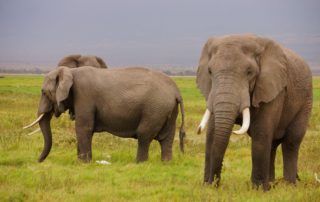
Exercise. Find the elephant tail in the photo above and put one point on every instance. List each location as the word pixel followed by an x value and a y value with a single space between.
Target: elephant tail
pixel 182 132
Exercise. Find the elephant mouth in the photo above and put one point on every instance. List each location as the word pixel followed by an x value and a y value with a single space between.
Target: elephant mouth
pixel 56 110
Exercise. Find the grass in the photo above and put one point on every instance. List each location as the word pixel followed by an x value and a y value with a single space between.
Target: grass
pixel 62 178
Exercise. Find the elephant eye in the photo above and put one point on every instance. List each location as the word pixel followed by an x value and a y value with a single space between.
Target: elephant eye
pixel 249 72
pixel 209 71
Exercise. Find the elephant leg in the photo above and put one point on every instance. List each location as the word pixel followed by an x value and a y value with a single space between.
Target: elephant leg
pixel 166 136
pixel 147 130
pixel 84 131
pixel 84 140
pixel 290 160
pixel 262 131
pixel 274 147
pixel 290 147
pixel 143 150
pixel 261 151
pixel 167 142
pixel 166 146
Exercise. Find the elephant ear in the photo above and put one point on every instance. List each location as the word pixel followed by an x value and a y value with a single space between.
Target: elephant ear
pixel 101 62
pixel 71 61
pixel 272 78
pixel 64 86
pixel 203 80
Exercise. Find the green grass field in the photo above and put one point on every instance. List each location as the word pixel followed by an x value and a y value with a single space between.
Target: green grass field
pixel 62 178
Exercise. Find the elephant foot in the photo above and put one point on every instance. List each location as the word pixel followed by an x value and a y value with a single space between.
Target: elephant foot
pixel 166 156
pixel 85 158
pixel 215 181
pixel 166 159
pixel 265 186
pixel 272 179
pixel 139 160
pixel 142 156
pixel 293 179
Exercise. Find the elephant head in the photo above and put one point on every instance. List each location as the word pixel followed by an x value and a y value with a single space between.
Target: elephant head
pixel 235 74
pixel 56 98
pixel 74 61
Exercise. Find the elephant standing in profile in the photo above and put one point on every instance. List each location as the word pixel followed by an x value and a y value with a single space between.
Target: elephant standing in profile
pixel 129 102
pixel 246 76
pixel 74 61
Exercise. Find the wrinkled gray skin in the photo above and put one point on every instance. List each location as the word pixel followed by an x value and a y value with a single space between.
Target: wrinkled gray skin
pixel 249 71
pixel 74 61
pixel 130 103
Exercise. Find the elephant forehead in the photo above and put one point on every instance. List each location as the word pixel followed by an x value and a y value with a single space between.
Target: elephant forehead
pixel 236 39
pixel 243 44
pixel 226 59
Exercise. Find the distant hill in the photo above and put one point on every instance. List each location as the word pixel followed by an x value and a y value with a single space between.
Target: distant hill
pixel 25 68
pixel 174 70
pixel 44 68
pixel 315 68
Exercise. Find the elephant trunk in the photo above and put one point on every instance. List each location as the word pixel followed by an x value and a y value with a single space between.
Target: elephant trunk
pixel 47 135
pixel 225 105
pixel 223 124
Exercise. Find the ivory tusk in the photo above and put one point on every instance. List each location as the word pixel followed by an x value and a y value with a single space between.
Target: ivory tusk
pixel 35 131
pixel 35 122
pixel 204 121
pixel 245 122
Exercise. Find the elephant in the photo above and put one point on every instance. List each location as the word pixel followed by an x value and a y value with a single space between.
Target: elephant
pixel 249 76
pixel 74 61
pixel 128 102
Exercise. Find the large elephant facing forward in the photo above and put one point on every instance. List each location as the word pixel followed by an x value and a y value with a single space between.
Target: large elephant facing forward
pixel 246 76
pixel 131 103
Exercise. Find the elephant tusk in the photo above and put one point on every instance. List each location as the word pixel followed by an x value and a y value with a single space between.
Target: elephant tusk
pixel 204 121
pixel 33 132
pixel 35 122
pixel 245 122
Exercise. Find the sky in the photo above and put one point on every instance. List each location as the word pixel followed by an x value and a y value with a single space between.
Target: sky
pixel 149 32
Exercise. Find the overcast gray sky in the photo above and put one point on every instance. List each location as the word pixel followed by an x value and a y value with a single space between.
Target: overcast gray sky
pixel 149 32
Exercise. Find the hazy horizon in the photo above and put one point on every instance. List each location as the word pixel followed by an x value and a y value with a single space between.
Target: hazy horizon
pixel 151 33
